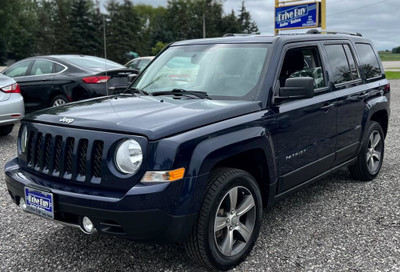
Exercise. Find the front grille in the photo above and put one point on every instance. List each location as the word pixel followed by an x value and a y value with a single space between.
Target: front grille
pixel 66 157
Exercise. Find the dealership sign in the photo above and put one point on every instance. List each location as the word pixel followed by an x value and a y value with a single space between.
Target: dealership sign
pixel 297 16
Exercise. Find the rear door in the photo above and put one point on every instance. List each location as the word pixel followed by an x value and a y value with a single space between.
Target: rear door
pixel 305 136
pixel 37 85
pixel 346 84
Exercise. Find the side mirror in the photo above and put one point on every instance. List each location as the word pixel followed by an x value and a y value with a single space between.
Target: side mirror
pixel 297 88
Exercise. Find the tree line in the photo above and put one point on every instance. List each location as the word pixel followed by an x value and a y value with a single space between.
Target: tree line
pixel 42 27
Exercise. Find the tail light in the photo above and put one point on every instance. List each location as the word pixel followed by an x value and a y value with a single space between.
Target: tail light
pixel 386 88
pixel 13 88
pixel 96 79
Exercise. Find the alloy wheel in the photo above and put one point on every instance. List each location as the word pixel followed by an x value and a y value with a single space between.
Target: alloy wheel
pixel 374 152
pixel 234 221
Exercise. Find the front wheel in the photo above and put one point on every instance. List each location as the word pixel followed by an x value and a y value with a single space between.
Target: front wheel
pixel 229 220
pixel 370 158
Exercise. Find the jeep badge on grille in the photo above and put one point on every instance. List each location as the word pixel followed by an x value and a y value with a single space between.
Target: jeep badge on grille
pixel 66 120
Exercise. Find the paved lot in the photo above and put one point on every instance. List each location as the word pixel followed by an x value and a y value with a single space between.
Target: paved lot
pixel 336 224
pixel 391 65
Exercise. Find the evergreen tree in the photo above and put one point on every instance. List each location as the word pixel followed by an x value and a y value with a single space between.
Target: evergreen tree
pixel 18 26
pixel 123 28
pixel 246 22
pixel 84 38
pixel 33 27
pixel 231 24
pixel 61 27
pixel 45 31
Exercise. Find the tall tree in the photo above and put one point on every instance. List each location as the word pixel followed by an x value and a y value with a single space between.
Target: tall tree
pixel 18 27
pixel 247 23
pixel 85 37
pixel 231 24
pixel 123 30
pixel 61 27
pixel 45 31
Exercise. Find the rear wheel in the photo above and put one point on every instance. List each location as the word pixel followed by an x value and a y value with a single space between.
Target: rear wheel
pixel 370 158
pixel 59 100
pixel 5 130
pixel 229 221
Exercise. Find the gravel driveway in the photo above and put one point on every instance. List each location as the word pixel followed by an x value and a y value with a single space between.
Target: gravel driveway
pixel 336 224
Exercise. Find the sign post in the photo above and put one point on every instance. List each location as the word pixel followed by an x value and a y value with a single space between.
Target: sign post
pixel 299 15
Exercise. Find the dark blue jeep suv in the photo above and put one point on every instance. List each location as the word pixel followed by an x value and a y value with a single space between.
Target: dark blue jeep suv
pixel 208 133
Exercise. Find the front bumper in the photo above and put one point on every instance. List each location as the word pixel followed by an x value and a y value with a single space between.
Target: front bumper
pixel 139 214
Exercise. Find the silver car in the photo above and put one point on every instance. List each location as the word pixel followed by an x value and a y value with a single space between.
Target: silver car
pixel 11 104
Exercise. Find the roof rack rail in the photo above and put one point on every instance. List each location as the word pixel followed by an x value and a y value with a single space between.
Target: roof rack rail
pixel 237 34
pixel 315 31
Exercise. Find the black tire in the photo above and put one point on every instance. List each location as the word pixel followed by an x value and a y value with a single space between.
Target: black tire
pixel 370 158
pixel 5 130
pixel 206 244
pixel 59 100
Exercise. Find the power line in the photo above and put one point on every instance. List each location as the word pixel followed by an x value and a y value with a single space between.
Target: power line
pixel 347 11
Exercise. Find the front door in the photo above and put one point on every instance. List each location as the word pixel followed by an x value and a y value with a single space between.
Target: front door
pixel 305 134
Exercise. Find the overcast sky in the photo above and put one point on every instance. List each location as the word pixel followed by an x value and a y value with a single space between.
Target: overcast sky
pixel 378 20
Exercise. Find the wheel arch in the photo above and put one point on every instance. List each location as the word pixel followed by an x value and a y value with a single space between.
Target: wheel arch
pixel 250 149
pixel 381 117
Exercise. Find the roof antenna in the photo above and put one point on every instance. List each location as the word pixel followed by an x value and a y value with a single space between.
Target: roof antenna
pixel 105 51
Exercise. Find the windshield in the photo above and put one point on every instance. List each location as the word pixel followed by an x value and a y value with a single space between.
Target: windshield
pixel 226 71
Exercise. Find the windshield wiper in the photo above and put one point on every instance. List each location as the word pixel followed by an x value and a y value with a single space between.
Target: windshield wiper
pixel 199 94
pixel 135 90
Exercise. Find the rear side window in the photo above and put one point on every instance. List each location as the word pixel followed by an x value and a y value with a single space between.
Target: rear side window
pixel 58 68
pixel 342 63
pixel 369 61
pixel 18 69
pixel 41 67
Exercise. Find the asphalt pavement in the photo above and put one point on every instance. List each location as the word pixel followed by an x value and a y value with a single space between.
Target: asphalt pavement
pixel 337 224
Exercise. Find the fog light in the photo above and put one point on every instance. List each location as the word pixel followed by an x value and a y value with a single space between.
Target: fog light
pixel 87 225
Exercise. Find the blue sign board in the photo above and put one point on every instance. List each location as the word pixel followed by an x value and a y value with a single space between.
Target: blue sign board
pixel 297 16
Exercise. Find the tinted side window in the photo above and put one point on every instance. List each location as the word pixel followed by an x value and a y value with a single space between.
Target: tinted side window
pixel 303 62
pixel 352 64
pixel 339 65
pixel 41 67
pixel 57 67
pixel 18 69
pixel 369 61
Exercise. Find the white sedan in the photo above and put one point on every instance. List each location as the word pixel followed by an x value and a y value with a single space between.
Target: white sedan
pixel 11 104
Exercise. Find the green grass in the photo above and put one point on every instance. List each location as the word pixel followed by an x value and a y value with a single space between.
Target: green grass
pixel 387 56
pixel 392 75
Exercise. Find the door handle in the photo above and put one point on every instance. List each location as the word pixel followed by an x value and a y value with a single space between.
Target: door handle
pixel 362 95
pixel 327 106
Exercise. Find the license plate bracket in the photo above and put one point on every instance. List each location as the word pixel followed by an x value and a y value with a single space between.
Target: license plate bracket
pixel 39 202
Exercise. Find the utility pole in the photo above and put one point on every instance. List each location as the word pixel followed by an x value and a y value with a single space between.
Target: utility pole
pixel 204 26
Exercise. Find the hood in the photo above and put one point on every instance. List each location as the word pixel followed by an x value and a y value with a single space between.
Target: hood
pixel 153 117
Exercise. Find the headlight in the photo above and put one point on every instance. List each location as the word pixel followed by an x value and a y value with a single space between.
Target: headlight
pixel 129 157
pixel 24 139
